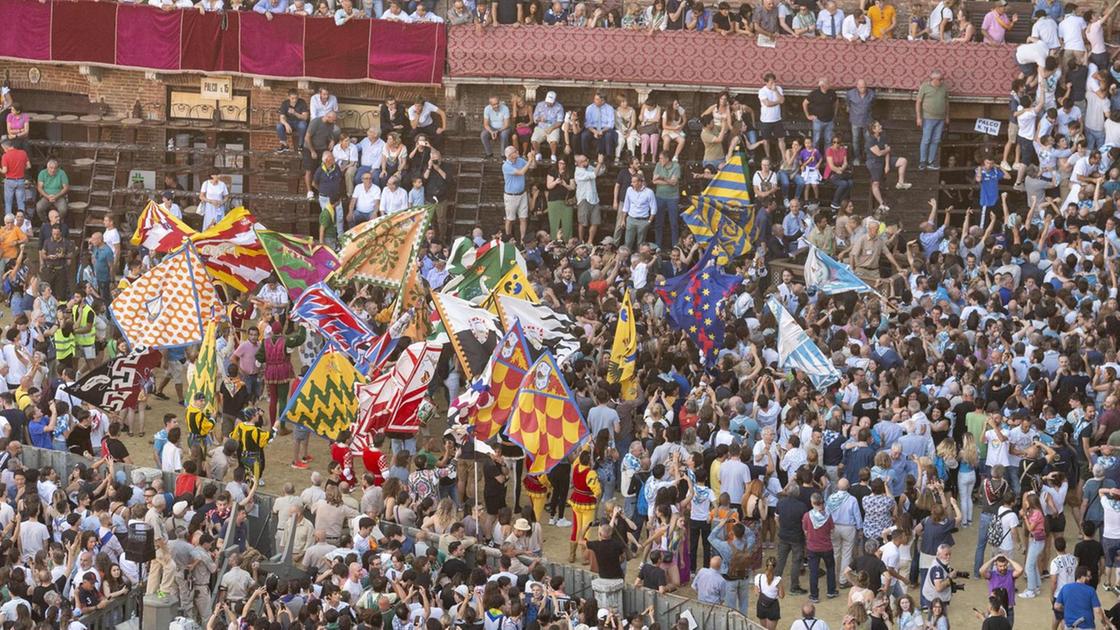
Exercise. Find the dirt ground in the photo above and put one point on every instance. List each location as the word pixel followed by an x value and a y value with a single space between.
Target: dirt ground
pixel 1033 613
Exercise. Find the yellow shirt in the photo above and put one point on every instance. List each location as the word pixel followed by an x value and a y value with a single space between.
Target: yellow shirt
pixel 713 474
pixel 10 241
pixel 880 20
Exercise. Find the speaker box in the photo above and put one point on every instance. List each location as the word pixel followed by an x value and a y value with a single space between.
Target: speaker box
pixel 140 546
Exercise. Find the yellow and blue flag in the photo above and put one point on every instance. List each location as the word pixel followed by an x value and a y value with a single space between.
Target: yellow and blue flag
pixel 693 299
pixel 724 213
pixel 624 351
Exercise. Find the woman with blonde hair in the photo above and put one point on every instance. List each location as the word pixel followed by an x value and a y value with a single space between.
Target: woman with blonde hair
pixel 441 519
pixel 968 458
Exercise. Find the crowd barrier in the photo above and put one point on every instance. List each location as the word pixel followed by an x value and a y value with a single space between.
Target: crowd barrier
pixel 667 608
pixel 230 42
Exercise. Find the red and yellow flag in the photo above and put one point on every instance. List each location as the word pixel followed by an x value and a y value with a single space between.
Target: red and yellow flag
pixel 507 369
pixel 546 421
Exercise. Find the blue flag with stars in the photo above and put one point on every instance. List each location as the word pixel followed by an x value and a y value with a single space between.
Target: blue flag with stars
pixel 692 299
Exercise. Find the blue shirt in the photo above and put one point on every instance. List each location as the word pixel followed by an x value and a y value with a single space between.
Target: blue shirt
pixel 264 6
pixel 39 436
pixel 598 116
pixel 989 186
pixel 515 184
pixel 1078 601
pixel 639 204
pixel 549 114
pixel 1052 10
pixel 103 263
pixel 931 241
pixel 793 224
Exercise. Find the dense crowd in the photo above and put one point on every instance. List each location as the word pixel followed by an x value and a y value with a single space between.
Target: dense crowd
pixel 979 393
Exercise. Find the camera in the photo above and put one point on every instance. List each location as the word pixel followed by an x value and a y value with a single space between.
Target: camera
pixel 955 586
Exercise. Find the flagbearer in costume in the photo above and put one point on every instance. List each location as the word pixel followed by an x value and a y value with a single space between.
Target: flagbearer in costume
pixel 275 354
pixel 584 500
pixel 340 453
pixel 199 424
pixel 538 487
pixel 251 438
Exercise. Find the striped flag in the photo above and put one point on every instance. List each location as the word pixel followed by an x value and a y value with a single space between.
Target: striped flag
pixel 730 185
pixel 830 276
pixel 159 231
pixel 501 381
pixel 232 251
pixel 544 327
pixel 546 421
pixel 624 351
pixel 796 350
pixel 712 222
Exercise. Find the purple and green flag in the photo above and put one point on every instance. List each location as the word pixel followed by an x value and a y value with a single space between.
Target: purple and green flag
pixel 298 260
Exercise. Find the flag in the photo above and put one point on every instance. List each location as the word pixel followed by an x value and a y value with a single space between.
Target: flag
pixel 796 350
pixel 169 305
pixel 324 400
pixel 730 186
pixel 299 262
pixel 413 296
pixel 692 298
pixel 392 402
pixel 204 379
pixel 546 421
pixel 500 382
pixel 344 330
pixel 232 252
pixel 159 231
pixel 544 327
pixel 476 271
pixel 711 222
pixel 115 386
pixel 624 351
pixel 514 284
pixel 472 330
pixel 829 276
pixel 380 251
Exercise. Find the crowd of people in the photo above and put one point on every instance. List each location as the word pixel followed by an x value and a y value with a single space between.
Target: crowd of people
pixel 980 393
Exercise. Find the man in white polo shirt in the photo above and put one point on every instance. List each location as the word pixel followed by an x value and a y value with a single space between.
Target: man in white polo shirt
pixel 365 201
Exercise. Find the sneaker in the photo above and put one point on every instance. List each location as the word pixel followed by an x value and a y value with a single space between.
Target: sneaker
pixel 832 595
pixel 310 195
pixel 299 465
pixel 903 185
pixel 307 458
pixel 934 167
pixel 676 159
pixel 1018 186
pixel 563 522
pixel 921 166
pixel 1028 594
pixel 884 208
pixel 855 162
pixel 814 600
pixel 798 591
pixel 552 520
pixel 1005 166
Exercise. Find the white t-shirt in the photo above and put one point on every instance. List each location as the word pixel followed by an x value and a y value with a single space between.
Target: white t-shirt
pixel 939 13
pixel 1096 108
pixel 1111 518
pixel 889 555
pixel 1010 521
pixel 393 201
pixel 1063 569
pixel 997 449
pixel 1034 52
pixel 33 538
pixel 348 154
pixel 1028 120
pixel 425 114
pixel 1046 30
pixel 113 239
pixel 171 459
pixel 769 589
pixel 1071 30
pixel 365 201
pixel 770 114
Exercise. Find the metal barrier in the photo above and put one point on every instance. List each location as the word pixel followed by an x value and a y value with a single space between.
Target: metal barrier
pixel 667 608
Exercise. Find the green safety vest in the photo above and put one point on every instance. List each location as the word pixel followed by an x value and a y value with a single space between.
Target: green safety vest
pixel 80 313
pixel 64 345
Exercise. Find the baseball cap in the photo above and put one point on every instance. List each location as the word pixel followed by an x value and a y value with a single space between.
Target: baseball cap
pixel 550 98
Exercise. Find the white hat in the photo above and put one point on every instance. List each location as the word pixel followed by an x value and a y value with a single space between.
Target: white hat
pixel 603 614
pixel 179 509
pixel 461 590
pixel 522 525
pixel 550 98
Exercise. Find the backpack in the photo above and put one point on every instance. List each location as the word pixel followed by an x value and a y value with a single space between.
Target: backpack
pixel 739 566
pixel 996 533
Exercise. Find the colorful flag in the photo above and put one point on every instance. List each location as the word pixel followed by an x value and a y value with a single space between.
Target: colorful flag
pixel 472 330
pixel 513 284
pixel 500 382
pixel 380 252
pixel 731 184
pixel 710 222
pixel 299 262
pixel 204 379
pixel 544 327
pixel 830 276
pixel 624 351
pixel 693 298
pixel 796 350
pixel 392 402
pixel 115 386
pixel 324 400
pixel 169 305
pixel 476 271
pixel 344 330
pixel 232 252
pixel 159 231
pixel 546 421
pixel 413 296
